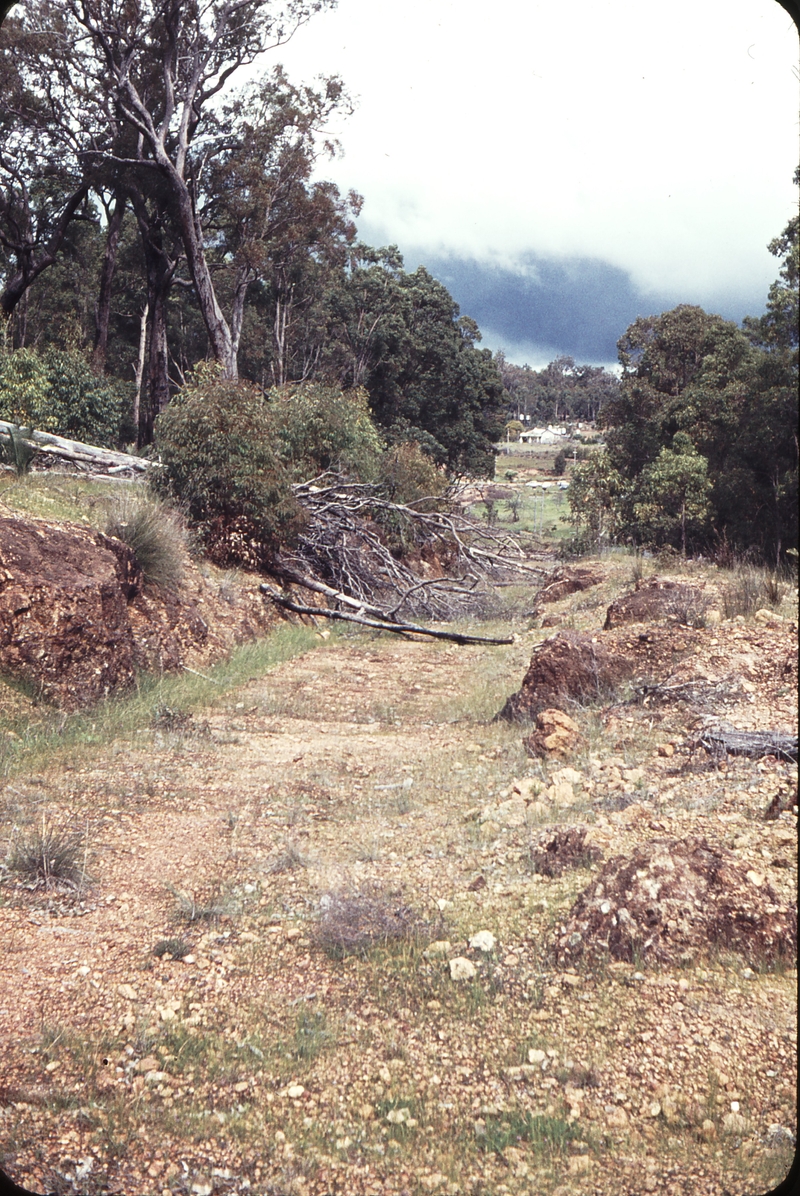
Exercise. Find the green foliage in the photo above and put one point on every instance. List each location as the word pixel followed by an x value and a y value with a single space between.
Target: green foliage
pixel 407 475
pixel 733 397
pixel 56 391
pixel 24 390
pixel 513 429
pixel 215 444
pixel 401 335
pixel 672 495
pixel 155 532
pixel 596 492
pixel 318 427
pixel 560 462
pixel 81 404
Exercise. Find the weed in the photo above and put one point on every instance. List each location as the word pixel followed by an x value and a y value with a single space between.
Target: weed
pixel 220 903
pixel 352 923
pixel 749 589
pixel 311 1034
pixel 156 534
pixel 289 860
pixel 51 856
pixel 547 1135
pixel 176 948
pixel 166 718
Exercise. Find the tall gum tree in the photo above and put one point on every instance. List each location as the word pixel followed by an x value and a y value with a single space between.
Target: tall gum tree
pixel 160 66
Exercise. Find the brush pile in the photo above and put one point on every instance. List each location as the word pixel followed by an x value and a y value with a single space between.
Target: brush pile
pixel 422 559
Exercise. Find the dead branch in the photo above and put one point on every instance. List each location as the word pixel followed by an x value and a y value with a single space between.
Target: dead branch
pixel 724 740
pixel 379 624
pixel 349 549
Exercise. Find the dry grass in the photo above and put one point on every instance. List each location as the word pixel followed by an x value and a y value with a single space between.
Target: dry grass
pixel 50 855
pixel 352 923
pixel 155 532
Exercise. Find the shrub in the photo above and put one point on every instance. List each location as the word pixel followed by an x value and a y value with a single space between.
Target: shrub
pixel 408 475
pixel 215 443
pixel 352 923
pixel 155 532
pixel 56 391
pixel 318 427
pixel 560 462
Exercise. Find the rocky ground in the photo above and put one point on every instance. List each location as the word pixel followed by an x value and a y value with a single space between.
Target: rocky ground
pixel 328 945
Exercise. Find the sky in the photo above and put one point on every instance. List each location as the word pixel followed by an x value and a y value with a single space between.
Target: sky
pixel 563 168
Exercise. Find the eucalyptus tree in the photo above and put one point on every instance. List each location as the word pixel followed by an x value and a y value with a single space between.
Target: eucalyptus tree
pixel 160 68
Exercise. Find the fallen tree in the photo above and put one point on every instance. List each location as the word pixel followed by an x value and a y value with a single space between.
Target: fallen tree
pixel 425 558
pixel 90 455
pixel 381 624
pixel 721 739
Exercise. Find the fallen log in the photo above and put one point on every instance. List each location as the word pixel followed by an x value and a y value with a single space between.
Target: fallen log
pixel 74 450
pixel 299 608
pixel 724 740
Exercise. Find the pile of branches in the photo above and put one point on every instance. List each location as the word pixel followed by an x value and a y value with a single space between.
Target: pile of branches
pixel 395 561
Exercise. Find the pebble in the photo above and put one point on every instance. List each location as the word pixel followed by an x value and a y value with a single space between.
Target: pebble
pixel 462 969
pixel 734 1123
pixel 484 941
pixel 295 1091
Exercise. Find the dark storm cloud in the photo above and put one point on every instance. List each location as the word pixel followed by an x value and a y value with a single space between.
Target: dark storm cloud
pixel 576 306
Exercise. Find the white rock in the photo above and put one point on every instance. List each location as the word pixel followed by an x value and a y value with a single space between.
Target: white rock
pixel 536 1056
pixel 508 813
pixel 462 969
pixel 566 776
pixel 561 794
pixel 127 991
pixel 484 940
pixel 295 1091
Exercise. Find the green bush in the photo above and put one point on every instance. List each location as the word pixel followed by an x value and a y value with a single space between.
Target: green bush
pixel 317 427
pixel 155 532
pixel 56 391
pixel 217 460
pixel 408 475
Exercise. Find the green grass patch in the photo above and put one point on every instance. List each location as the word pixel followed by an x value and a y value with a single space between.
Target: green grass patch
pixel 60 738
pixel 546 1135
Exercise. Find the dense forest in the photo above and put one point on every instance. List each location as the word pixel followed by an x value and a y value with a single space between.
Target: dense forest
pixel 157 213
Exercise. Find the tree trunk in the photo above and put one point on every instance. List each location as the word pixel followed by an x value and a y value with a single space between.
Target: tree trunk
pixel 138 369
pixel 160 267
pixel 158 361
pixel 683 528
pixel 219 333
pixel 103 311
pixel 29 271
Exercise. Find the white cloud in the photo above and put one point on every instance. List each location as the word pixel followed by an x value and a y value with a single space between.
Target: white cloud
pixel 661 138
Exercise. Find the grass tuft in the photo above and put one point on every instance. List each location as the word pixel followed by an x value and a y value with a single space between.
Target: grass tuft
pixel 176 948
pixel 546 1135
pixel 155 532
pixel 50 856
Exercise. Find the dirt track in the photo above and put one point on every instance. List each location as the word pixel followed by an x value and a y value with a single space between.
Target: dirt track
pixel 260 1060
